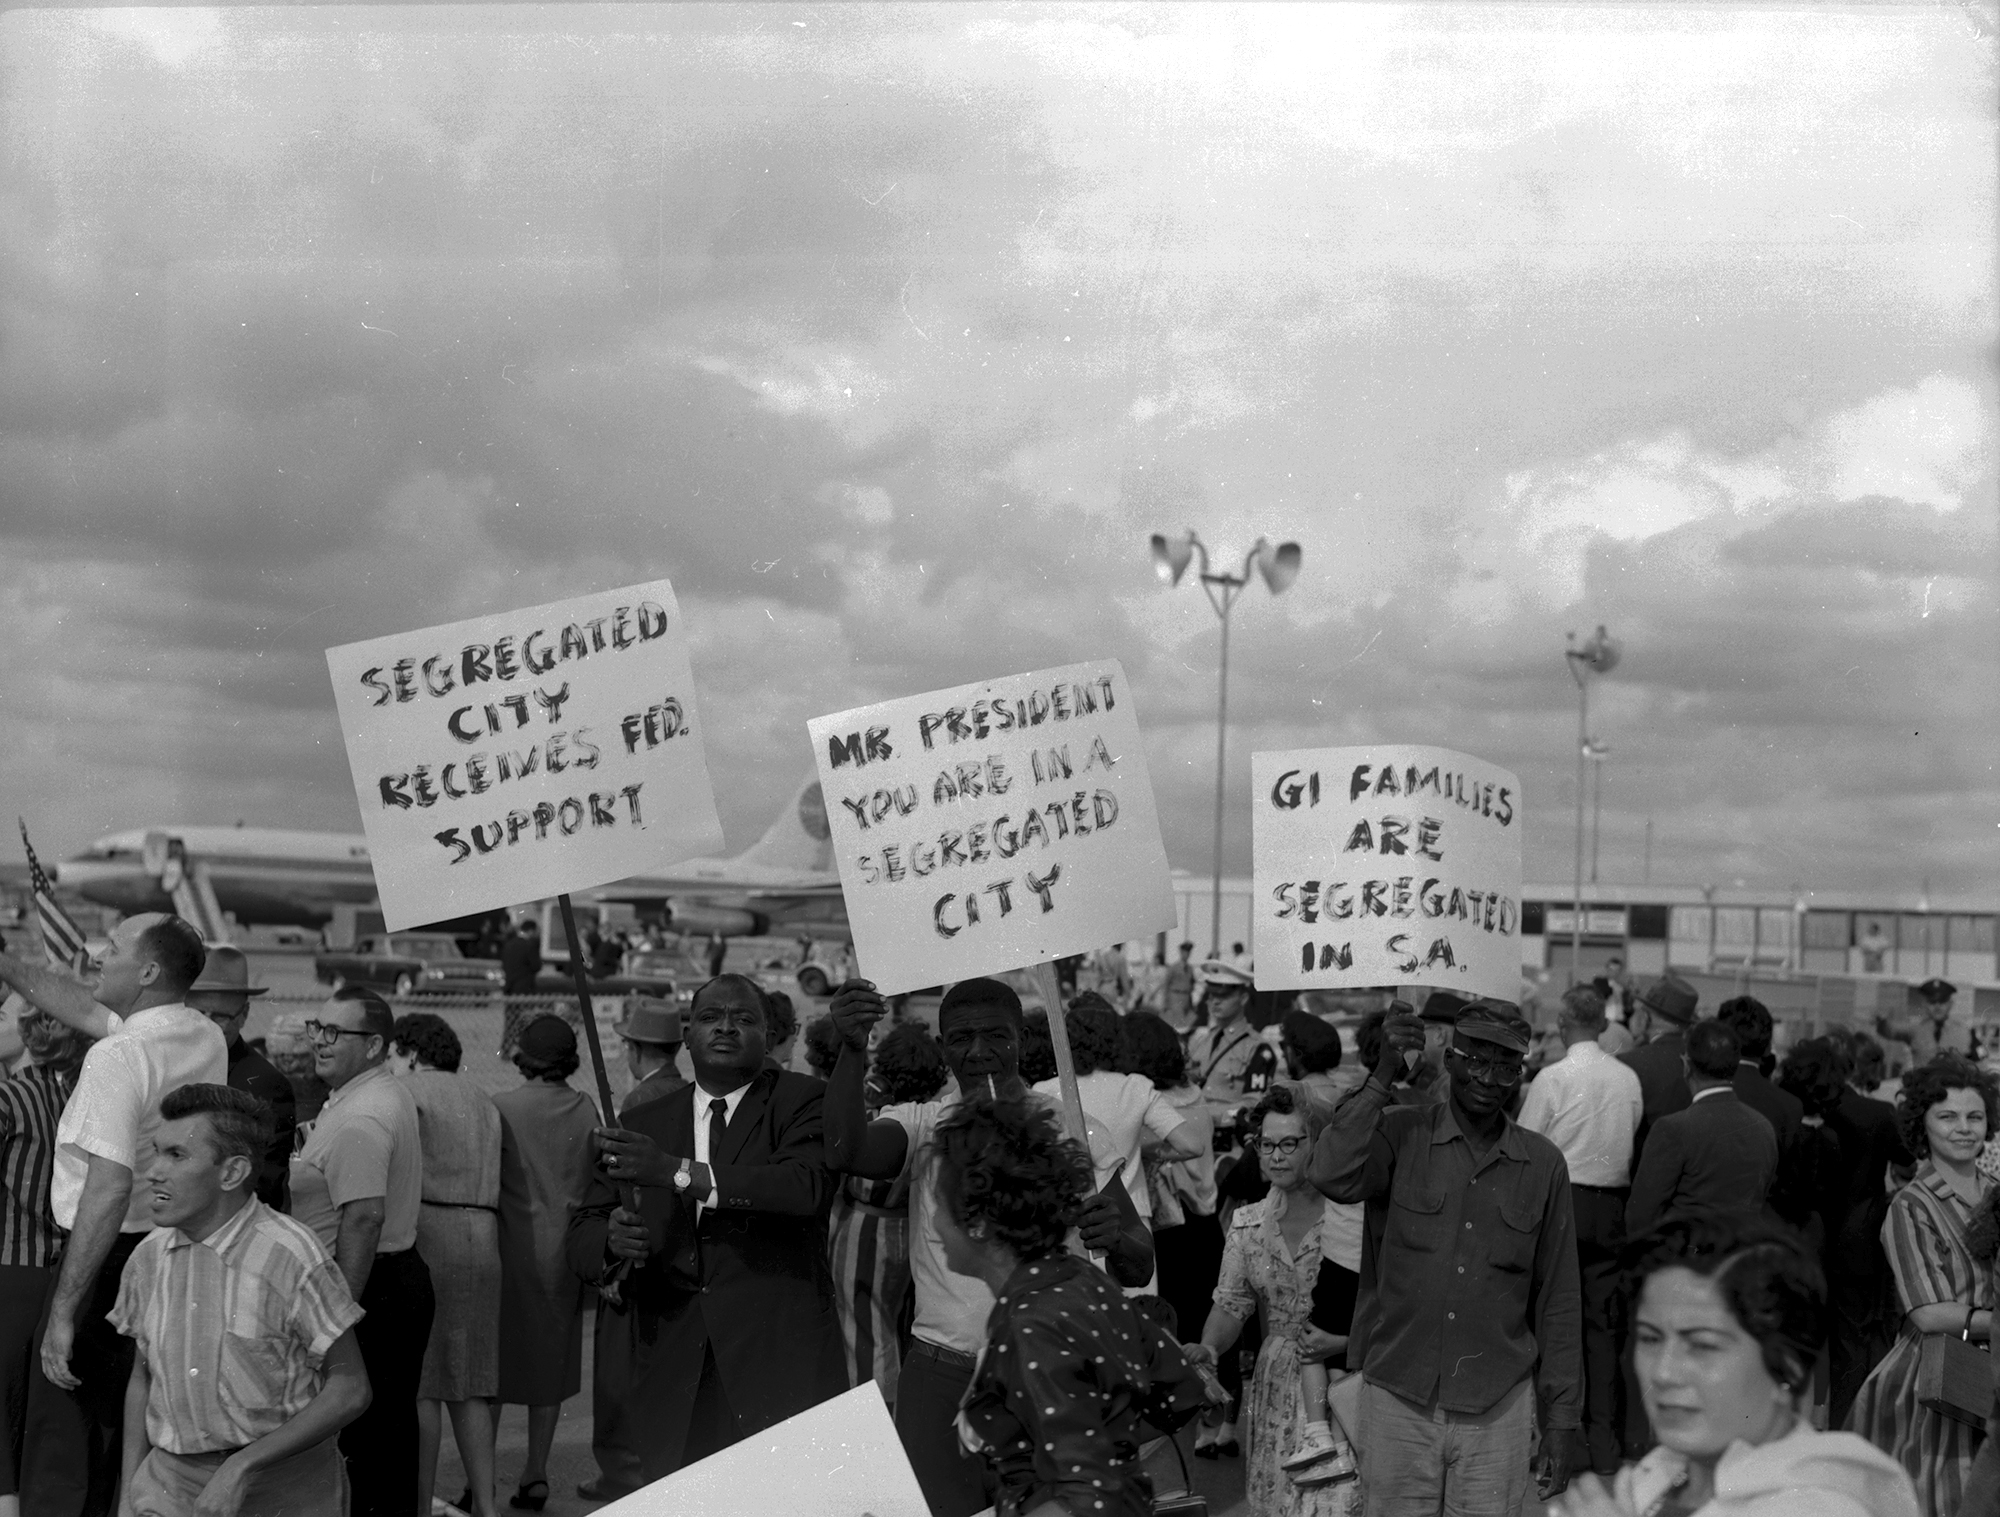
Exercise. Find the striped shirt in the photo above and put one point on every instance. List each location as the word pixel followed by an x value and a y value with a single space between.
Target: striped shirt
pixel 30 1107
pixel 234 1328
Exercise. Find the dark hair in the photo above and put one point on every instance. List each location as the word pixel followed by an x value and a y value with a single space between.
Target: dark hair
pixel 1928 1084
pixel 53 1045
pixel 1713 1051
pixel 740 982
pixel 430 1038
pixel 174 945
pixel 909 1065
pixel 1093 1032
pixel 1585 1007
pixel 979 992
pixel 1283 1101
pixel 1750 1020
pixel 780 1019
pixel 1766 1277
pixel 1038 1050
pixel 822 1041
pixel 1149 1046
pixel 1816 1072
pixel 1318 1044
pixel 1368 1038
pixel 377 1020
pixel 1871 1065
pixel 239 1125
pixel 1005 1167
pixel 553 1070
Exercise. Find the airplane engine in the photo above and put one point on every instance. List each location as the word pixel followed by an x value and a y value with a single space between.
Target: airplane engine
pixel 730 922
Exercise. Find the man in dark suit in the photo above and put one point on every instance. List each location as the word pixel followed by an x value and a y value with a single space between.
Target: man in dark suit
pixel 1750 1020
pixel 1717 1155
pixel 222 994
pixel 1669 1004
pixel 725 1321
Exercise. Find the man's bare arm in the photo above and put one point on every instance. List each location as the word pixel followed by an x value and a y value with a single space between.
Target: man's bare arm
pixel 62 996
pixel 137 1444
pixel 344 1394
pixel 354 1246
pixel 107 1190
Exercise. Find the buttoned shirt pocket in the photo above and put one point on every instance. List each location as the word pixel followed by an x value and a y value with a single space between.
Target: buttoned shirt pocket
pixel 1417 1219
pixel 1513 1242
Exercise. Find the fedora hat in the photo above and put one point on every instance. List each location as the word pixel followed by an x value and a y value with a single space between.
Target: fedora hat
pixel 649 1020
pixel 1671 997
pixel 226 969
pixel 1443 1006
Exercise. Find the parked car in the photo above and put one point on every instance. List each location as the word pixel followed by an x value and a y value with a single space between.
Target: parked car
pixel 648 972
pixel 410 963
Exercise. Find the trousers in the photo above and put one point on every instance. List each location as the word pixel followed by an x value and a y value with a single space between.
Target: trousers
pixel 933 1381
pixel 73 1441
pixel 1600 1234
pixel 309 1484
pixel 1426 1462
pixel 380 1446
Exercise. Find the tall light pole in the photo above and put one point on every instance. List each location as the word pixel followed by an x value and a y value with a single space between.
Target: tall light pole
pixel 1599 655
pixel 1279 566
pixel 1597 753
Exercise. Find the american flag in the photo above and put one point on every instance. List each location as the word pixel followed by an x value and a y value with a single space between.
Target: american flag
pixel 62 940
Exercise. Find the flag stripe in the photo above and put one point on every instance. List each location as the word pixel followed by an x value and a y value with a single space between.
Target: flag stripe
pixel 63 943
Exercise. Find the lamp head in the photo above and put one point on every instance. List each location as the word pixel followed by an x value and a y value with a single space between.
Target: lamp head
pixel 1172 556
pixel 1599 652
pixel 1279 565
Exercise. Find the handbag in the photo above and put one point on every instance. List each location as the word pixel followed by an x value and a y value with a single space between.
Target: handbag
pixel 1955 1377
pixel 1166 1196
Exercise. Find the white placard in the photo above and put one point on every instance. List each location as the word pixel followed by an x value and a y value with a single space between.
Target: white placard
pixel 513 757
pixel 1386 865
pixel 993 826
pixel 841 1458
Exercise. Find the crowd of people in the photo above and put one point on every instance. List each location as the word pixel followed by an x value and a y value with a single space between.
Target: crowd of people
pixel 1635 1265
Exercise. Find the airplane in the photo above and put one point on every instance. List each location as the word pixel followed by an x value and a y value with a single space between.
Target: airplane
pixel 785 882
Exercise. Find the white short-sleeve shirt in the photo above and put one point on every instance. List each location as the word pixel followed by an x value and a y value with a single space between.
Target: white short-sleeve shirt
pixel 114 1111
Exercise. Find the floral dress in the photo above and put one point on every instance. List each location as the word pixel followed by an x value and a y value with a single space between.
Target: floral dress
pixel 1260 1274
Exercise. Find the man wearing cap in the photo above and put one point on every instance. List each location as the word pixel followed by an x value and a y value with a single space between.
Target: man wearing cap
pixel 1670 1003
pixel 1938 1026
pixel 979 1026
pixel 1470 1302
pixel 652 1035
pixel 222 994
pixel 1219 1054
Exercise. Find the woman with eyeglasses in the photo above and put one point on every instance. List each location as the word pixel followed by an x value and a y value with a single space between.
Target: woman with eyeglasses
pixel 1272 1265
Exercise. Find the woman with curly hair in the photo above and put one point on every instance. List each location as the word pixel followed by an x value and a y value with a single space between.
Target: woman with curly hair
pixel 1731 1313
pixel 1946 1108
pixel 458 1236
pixel 868 1230
pixel 1071 1369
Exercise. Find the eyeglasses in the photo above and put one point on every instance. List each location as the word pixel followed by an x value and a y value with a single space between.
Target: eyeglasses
pixel 1277 1145
pixel 1492 1071
pixel 326 1035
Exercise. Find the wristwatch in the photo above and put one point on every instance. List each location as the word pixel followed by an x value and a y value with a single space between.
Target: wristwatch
pixel 684 1176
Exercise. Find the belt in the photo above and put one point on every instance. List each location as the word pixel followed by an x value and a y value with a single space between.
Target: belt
pixel 923 1349
pixel 1603 1190
pixel 461 1205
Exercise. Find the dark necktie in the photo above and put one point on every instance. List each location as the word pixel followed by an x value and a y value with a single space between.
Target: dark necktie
pixel 718 1123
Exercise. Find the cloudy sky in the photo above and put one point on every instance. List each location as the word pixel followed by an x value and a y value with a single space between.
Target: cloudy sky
pixel 889 333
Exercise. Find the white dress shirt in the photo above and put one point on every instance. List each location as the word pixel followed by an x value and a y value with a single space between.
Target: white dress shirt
pixel 115 1109
pixel 1587 1103
pixel 702 1098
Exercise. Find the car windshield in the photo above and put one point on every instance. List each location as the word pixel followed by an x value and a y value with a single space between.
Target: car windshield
pixel 426 948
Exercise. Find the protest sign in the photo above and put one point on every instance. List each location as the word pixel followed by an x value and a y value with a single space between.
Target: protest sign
pixel 993 826
pixel 841 1458
pixel 512 757
pixel 1385 865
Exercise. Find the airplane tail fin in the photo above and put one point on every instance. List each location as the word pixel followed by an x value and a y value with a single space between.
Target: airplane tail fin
pixel 799 838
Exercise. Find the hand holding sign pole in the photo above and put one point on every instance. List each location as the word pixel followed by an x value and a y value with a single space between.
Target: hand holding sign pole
pixel 513 757
pixel 992 826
